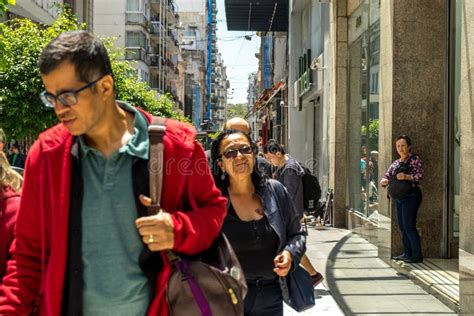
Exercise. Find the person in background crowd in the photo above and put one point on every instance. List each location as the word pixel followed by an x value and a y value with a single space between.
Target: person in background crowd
pixel 17 158
pixel 10 186
pixel 407 207
pixel 290 173
pixel 83 238
pixel 261 223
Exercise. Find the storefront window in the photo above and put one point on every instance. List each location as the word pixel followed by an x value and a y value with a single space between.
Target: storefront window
pixel 456 133
pixel 364 38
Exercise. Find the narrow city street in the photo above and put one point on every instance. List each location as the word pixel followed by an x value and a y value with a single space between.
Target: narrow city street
pixel 357 282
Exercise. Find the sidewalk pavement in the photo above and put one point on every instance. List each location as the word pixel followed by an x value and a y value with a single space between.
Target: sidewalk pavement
pixel 357 282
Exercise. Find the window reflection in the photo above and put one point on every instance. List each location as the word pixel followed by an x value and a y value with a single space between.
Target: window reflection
pixel 364 52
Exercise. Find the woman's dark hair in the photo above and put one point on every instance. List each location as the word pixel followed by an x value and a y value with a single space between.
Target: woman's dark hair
pixel 405 137
pixel 273 147
pixel 85 51
pixel 258 179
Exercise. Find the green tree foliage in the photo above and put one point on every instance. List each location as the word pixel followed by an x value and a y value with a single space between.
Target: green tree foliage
pixel 236 110
pixel 3 5
pixel 22 112
pixel 373 134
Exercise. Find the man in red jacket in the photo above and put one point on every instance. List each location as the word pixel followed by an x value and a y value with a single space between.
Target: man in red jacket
pixel 84 244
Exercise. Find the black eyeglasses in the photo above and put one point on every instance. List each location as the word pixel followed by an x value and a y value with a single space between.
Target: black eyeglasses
pixel 232 153
pixel 67 98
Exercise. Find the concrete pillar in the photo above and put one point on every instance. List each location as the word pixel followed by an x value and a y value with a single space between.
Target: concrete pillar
pixel 338 112
pixel 466 108
pixel 386 149
pixel 412 103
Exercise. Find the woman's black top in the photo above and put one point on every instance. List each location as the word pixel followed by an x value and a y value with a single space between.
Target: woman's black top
pixel 255 244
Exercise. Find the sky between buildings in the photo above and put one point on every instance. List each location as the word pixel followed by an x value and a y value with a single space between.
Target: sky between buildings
pixel 238 54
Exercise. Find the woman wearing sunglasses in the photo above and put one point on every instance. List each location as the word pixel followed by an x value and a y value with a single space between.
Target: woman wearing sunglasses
pixel 266 237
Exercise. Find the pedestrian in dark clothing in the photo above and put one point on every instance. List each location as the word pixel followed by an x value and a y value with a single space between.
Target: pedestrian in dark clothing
pixel 261 223
pixel 408 205
pixel 290 173
pixel 17 159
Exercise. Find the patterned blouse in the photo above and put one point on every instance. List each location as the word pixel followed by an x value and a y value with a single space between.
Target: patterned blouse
pixel 416 165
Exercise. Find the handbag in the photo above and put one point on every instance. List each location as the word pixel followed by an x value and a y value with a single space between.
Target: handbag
pixel 209 283
pixel 397 189
pixel 297 289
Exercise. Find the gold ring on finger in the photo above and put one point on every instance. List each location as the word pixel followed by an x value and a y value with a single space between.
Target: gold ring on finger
pixel 151 239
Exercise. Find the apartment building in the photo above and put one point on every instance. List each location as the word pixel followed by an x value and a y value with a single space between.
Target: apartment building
pixel 148 30
pixel 45 11
pixel 200 54
pixel 219 94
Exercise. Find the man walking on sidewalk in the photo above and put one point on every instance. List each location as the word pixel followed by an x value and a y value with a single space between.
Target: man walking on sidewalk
pixel 84 245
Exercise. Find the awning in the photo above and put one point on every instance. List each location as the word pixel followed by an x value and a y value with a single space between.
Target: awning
pixel 265 98
pixel 257 15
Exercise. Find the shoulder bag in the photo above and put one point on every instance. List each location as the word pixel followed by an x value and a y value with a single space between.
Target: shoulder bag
pixel 296 287
pixel 397 189
pixel 209 283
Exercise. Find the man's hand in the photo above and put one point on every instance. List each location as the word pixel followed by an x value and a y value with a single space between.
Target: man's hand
pixel 283 263
pixel 157 230
pixel 384 182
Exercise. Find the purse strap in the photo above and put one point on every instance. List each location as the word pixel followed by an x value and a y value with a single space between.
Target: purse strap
pixel 156 132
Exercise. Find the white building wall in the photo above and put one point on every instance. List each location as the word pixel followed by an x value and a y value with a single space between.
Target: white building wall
pixel 45 11
pixel 297 120
pixel 42 11
pixel 308 129
pixel 109 20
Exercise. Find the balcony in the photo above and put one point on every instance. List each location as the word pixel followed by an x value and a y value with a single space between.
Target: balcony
pixel 156 30
pixel 154 61
pixel 155 5
pixel 135 53
pixel 136 17
pixel 172 12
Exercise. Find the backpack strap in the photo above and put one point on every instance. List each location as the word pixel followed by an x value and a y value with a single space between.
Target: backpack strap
pixel 156 132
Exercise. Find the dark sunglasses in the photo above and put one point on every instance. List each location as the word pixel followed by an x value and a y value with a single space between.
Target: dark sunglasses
pixel 232 153
pixel 67 98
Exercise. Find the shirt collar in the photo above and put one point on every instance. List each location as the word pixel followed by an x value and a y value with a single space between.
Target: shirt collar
pixel 137 146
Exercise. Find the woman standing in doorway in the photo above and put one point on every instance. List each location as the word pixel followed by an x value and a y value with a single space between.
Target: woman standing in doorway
pixel 409 167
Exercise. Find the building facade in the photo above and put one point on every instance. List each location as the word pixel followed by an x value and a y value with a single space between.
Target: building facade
pixel 148 30
pixel 45 11
pixel 381 69
pixel 195 24
pixel 219 96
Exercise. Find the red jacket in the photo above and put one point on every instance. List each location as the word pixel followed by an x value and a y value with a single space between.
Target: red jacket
pixel 9 204
pixel 44 211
